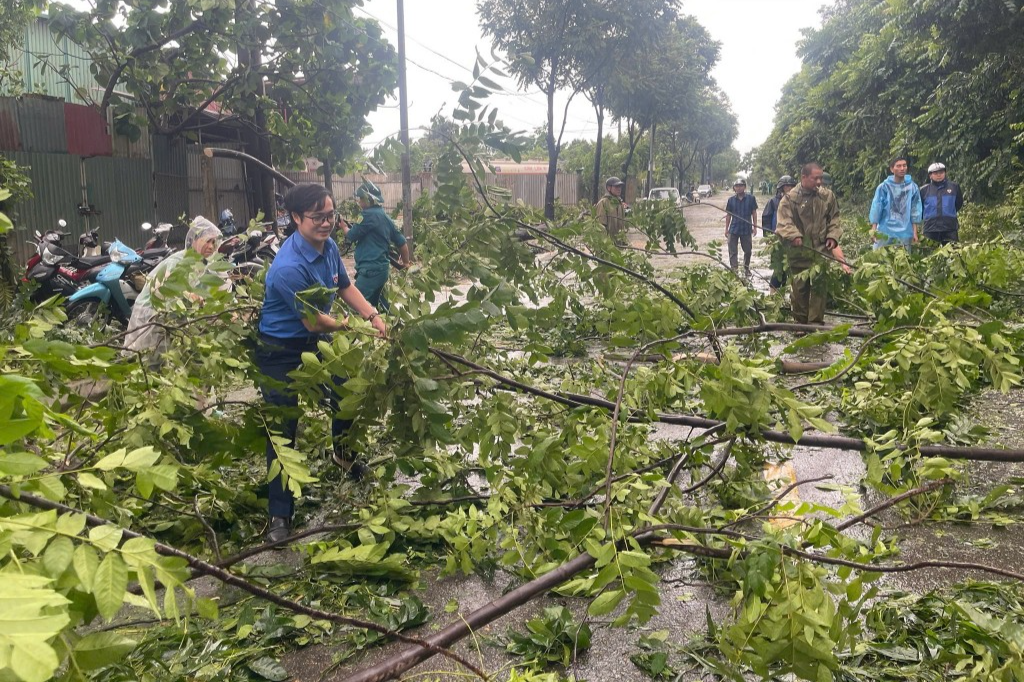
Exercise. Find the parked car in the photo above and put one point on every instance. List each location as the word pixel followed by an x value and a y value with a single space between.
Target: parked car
pixel 667 194
pixel 705 191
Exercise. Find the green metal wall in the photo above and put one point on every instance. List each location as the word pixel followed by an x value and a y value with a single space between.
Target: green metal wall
pixel 57 184
pixel 43 59
pixel 123 190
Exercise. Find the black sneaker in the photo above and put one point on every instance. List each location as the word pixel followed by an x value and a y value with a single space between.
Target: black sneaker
pixel 353 468
pixel 279 529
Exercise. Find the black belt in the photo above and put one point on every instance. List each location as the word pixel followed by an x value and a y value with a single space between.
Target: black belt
pixel 307 342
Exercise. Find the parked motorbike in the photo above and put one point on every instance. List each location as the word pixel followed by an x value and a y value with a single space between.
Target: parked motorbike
pixel 111 291
pixel 57 271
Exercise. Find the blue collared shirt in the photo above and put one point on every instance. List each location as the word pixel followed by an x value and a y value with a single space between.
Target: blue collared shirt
pixel 296 268
pixel 741 209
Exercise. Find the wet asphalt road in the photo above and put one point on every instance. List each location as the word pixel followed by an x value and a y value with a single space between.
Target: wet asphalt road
pixel 687 601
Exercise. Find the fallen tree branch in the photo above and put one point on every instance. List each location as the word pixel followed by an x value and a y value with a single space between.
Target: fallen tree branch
pixel 201 567
pixel 892 501
pixel 815 440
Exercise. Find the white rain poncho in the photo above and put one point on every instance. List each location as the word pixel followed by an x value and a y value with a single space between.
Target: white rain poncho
pixel 142 335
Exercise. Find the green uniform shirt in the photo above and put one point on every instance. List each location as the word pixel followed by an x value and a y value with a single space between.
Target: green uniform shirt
pixel 612 214
pixel 813 216
pixel 373 236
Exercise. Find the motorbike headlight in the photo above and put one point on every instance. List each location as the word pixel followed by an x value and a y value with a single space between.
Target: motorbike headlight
pixel 50 256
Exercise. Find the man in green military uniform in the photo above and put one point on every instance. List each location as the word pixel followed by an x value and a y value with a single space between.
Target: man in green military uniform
pixel 373 236
pixel 611 211
pixel 808 220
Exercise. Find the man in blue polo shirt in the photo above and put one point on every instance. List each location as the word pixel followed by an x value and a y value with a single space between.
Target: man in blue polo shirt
pixel 740 224
pixel 294 319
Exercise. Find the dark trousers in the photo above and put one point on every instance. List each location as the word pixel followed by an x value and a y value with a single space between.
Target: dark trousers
pixel 745 240
pixel 807 299
pixel 275 358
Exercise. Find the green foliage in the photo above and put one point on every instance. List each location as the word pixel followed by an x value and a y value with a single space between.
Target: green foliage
pixel 468 477
pixel 554 637
pixel 305 74
pixel 881 78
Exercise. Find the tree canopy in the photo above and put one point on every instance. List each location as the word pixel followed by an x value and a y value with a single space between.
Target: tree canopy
pixel 938 81
pixel 303 75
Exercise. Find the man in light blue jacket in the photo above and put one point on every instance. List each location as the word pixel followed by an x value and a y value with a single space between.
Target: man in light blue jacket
pixel 896 208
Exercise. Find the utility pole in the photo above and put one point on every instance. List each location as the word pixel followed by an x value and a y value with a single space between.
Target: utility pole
pixel 650 161
pixel 403 108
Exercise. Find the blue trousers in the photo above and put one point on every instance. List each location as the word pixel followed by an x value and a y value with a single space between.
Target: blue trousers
pixel 275 358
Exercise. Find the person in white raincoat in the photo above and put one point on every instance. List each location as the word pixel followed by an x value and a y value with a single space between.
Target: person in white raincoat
pixel 203 237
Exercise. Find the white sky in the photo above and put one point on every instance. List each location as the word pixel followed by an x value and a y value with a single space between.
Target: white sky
pixel 758 56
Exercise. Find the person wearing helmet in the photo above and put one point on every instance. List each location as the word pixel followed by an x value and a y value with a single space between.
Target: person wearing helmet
pixel 611 210
pixel 373 236
pixel 769 219
pixel 740 224
pixel 941 200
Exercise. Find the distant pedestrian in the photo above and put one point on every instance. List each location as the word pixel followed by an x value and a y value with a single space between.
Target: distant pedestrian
pixel 769 221
pixel 740 224
pixel 808 221
pixel 896 208
pixel 611 210
pixel 941 199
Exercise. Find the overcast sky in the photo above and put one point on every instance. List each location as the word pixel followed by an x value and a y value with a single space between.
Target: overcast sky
pixel 758 56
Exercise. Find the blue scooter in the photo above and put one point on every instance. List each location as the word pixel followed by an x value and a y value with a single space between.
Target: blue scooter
pixel 108 290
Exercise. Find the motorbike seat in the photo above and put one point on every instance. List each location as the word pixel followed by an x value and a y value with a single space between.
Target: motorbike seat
pixel 93 261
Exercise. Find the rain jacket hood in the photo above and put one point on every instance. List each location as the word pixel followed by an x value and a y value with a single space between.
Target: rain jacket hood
pixel 896 207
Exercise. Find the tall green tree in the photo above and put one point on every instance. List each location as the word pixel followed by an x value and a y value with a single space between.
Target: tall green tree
pixel 299 77
pixel 663 83
pixel 937 81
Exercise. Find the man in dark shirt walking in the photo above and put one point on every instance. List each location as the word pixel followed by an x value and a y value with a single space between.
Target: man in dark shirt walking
pixel 740 223
pixel 942 200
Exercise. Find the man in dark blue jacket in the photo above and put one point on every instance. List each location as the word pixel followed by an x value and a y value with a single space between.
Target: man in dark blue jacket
pixel 942 200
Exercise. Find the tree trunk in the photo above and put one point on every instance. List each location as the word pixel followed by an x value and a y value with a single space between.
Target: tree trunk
pixel 329 178
pixel 595 191
pixel 257 140
pixel 650 161
pixel 634 139
pixel 549 185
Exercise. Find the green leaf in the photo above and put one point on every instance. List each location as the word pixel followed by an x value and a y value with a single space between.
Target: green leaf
pixel 33 660
pixel 106 538
pixel 100 649
pixel 86 563
pixel 58 556
pixel 110 585
pixel 135 460
pixel 87 480
pixel 21 463
pixel 606 603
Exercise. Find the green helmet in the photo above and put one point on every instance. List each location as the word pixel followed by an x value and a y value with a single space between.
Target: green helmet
pixel 785 181
pixel 370 192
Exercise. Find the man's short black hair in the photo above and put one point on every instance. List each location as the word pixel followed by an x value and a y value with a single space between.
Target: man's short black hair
pixel 808 168
pixel 898 158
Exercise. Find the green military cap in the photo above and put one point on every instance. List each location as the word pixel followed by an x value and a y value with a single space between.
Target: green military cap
pixel 370 192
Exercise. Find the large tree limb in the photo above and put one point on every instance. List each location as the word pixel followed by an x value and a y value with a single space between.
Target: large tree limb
pixel 201 567
pixel 816 440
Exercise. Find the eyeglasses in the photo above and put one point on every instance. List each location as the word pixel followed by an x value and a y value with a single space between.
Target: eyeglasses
pixel 320 218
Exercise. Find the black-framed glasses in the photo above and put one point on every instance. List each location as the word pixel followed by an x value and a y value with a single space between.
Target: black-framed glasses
pixel 320 218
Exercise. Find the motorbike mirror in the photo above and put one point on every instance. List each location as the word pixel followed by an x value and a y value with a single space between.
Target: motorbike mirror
pixel 62 222
pixel 38 235
pixel 147 226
